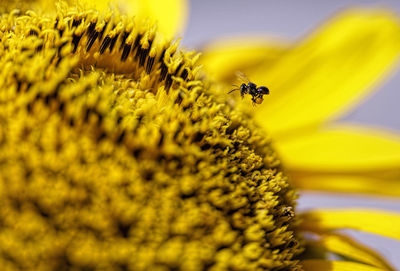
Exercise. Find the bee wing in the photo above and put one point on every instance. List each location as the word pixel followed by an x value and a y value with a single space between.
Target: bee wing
pixel 242 77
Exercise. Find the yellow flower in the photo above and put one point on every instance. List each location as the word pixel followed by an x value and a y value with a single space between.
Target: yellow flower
pixel 118 153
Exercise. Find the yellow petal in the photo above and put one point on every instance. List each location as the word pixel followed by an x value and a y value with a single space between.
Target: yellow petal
pixel 328 72
pixel 223 58
pixel 376 183
pixel 323 265
pixel 341 148
pixel 374 221
pixel 38 6
pixel 349 248
pixel 170 15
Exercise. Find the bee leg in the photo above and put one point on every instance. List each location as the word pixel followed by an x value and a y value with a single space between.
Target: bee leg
pixel 242 92
pixel 253 99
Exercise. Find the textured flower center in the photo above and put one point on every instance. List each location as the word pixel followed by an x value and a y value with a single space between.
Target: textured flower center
pixel 115 154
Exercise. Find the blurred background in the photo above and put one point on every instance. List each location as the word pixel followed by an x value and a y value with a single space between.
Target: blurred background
pixel 291 20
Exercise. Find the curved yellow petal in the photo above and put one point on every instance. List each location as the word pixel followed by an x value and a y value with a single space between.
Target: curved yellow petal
pixel 223 58
pixel 35 5
pixel 374 221
pixel 170 15
pixel 351 249
pixel 324 265
pixel 376 183
pixel 341 148
pixel 329 71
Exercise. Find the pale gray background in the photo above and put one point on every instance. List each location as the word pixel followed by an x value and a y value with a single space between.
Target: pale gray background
pixel 293 19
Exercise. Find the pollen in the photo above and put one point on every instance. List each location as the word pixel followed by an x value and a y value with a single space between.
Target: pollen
pixel 117 153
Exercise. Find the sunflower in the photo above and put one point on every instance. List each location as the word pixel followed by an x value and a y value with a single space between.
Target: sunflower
pixel 118 151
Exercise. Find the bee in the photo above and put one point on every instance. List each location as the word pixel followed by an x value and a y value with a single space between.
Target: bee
pixel 257 93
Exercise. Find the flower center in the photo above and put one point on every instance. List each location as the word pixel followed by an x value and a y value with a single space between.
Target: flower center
pixel 115 153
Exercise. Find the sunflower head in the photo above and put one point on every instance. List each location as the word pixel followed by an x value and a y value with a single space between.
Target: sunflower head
pixel 115 154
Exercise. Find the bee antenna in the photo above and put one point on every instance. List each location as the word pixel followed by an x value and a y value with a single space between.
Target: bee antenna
pixel 236 88
pixel 233 90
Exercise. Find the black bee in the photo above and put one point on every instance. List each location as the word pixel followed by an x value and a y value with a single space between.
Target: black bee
pixel 257 93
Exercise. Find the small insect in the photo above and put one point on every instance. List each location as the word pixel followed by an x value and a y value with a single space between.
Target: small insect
pixel 257 93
